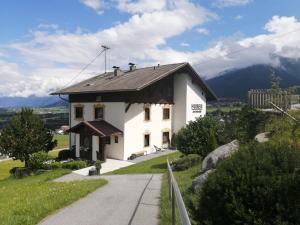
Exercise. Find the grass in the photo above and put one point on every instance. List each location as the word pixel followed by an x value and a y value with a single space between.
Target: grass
pixel 29 200
pixel 156 165
pixel 62 141
pixel 5 167
pixel 211 109
pixel 184 180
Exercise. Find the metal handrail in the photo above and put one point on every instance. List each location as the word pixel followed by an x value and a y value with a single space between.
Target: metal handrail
pixel 174 194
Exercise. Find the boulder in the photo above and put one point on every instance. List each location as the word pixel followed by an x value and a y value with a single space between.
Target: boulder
pixel 200 180
pixel 262 137
pixel 219 154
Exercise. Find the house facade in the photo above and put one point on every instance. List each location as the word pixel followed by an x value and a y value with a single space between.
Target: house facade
pixel 120 113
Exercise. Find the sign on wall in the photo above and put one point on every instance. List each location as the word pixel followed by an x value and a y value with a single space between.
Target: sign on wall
pixel 196 108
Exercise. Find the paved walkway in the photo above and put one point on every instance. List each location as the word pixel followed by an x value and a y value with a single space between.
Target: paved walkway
pixel 108 166
pixel 125 200
pixel 151 156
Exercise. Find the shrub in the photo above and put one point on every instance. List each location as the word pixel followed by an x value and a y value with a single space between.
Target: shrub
pixel 198 136
pixel 37 160
pixel 55 165
pixel 74 165
pixel 66 154
pixel 257 185
pixel 185 162
pixel 250 122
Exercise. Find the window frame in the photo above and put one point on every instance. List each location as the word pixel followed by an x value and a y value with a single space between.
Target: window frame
pixel 98 107
pixel 164 113
pixel 168 140
pixel 75 112
pixel 147 113
pixel 148 144
pixel 116 139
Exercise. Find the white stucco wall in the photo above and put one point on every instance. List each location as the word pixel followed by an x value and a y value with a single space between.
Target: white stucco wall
pixel 179 107
pixel 136 127
pixel 194 97
pixel 186 94
pixel 115 150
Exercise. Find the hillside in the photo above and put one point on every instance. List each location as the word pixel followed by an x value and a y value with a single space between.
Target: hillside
pixel 236 83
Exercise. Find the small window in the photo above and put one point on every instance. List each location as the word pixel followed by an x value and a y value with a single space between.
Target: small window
pixel 107 140
pixel 146 140
pixel 147 114
pixel 99 113
pixel 166 138
pixel 166 113
pixel 116 139
pixel 78 112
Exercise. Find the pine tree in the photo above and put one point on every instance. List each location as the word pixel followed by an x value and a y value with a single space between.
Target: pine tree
pixel 24 135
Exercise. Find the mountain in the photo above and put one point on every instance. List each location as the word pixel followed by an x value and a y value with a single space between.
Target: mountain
pixel 31 101
pixel 236 83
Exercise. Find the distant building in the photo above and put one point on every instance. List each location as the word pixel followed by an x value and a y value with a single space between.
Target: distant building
pixel 120 113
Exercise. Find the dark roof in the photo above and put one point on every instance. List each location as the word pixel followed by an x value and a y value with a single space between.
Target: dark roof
pixel 100 127
pixel 132 80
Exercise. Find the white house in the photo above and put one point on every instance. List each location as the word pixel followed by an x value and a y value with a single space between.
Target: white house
pixel 119 113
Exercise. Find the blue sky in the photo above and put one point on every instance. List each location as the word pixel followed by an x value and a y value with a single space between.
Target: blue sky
pixel 43 44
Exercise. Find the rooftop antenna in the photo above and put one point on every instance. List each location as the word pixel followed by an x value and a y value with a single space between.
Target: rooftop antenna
pixel 105 48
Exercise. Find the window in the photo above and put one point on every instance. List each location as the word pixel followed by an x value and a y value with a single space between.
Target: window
pixel 166 139
pixel 147 114
pixel 166 113
pixel 78 112
pixel 107 140
pixel 146 140
pixel 99 113
pixel 116 139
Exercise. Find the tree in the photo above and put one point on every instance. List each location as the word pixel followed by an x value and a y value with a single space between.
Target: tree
pixel 198 137
pixel 24 135
pixel 275 83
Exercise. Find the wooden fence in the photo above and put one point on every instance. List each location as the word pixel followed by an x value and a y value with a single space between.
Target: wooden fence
pixel 261 98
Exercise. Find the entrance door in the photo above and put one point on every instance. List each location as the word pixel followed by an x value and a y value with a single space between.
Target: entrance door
pixel 101 154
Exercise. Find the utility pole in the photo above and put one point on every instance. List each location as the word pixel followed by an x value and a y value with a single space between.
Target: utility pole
pixel 105 48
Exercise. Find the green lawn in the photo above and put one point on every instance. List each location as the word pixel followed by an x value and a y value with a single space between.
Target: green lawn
pixel 5 167
pixel 184 180
pixel 156 165
pixel 27 201
pixel 62 141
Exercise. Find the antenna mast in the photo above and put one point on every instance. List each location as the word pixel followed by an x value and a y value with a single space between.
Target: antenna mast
pixel 105 48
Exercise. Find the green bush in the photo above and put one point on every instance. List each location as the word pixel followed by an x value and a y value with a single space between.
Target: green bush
pixel 186 162
pixel 37 160
pixel 250 122
pixel 66 154
pixel 198 137
pixel 258 185
pixel 74 165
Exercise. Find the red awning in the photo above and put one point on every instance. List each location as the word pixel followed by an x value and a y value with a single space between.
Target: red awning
pixel 101 127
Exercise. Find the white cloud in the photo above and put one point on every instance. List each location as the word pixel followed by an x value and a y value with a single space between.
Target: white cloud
pixel 141 6
pixel 202 31
pixel 184 44
pixel 230 3
pixel 50 58
pixel 238 17
pixel 55 56
pixel 96 5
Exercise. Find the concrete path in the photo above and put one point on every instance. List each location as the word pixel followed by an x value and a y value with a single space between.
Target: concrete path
pixel 108 166
pixel 125 200
pixel 151 156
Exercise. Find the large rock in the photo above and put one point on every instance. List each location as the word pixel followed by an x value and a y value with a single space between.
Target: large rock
pixel 219 154
pixel 200 180
pixel 262 137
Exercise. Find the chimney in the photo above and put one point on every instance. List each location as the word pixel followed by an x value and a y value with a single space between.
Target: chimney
pixel 132 66
pixel 116 70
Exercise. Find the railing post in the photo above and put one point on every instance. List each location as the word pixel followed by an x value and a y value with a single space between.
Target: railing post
pixel 173 208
